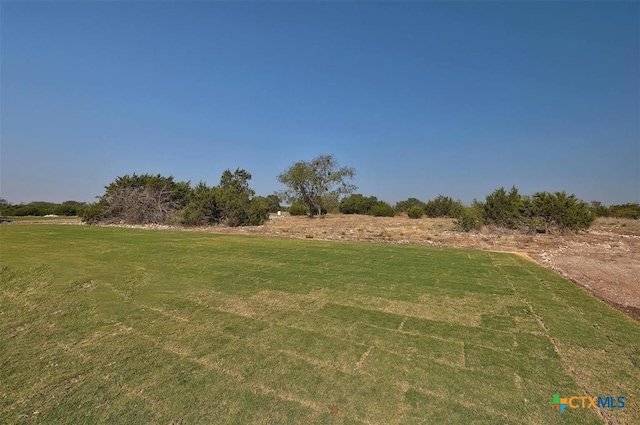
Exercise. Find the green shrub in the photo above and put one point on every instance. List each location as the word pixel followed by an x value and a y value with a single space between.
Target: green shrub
pixel 546 212
pixel 503 209
pixel 258 211
pixel 298 208
pixel 415 212
pixel 404 206
pixel 70 208
pixel 543 212
pixel 93 213
pixel 233 197
pixel 598 209
pixel 357 204
pixel 629 210
pixel 274 203
pixel 625 211
pixel 470 218
pixel 443 206
pixel 382 209
pixel 202 207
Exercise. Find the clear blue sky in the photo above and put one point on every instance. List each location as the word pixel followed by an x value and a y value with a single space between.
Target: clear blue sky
pixel 421 98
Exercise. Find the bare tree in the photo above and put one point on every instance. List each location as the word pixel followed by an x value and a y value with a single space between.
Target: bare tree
pixel 139 205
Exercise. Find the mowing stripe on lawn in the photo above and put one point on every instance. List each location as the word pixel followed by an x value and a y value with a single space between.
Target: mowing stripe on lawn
pixel 110 325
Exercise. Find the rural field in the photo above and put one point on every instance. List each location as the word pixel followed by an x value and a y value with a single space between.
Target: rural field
pixel 124 325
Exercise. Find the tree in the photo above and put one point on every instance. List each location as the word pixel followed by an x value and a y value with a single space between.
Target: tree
pixel 70 208
pixel 382 209
pixel 40 208
pixel 5 207
pixel 415 212
pixel 140 205
pixel 471 217
pixel 202 208
pixel 357 204
pixel 543 212
pixel 146 198
pixel 503 208
pixel 138 199
pixel 258 211
pixel 546 212
pixel 298 208
pixel 238 206
pixel 273 201
pixel 233 195
pixel 312 183
pixel 443 206
pixel 403 206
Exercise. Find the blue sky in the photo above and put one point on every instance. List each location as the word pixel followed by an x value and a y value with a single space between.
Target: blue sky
pixel 421 98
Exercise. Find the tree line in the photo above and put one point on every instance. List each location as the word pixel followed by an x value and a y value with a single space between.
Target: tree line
pixel 156 199
pixel 542 212
pixel 313 188
pixel 41 208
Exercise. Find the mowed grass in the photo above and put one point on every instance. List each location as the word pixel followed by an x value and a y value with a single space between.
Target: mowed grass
pixel 113 325
pixel 41 218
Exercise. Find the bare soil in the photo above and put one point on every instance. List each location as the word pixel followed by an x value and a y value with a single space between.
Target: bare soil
pixel 605 260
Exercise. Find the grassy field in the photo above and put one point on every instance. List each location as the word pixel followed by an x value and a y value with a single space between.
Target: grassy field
pixel 39 218
pixel 42 220
pixel 112 325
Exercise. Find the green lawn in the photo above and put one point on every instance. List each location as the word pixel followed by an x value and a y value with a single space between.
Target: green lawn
pixel 40 218
pixel 112 325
